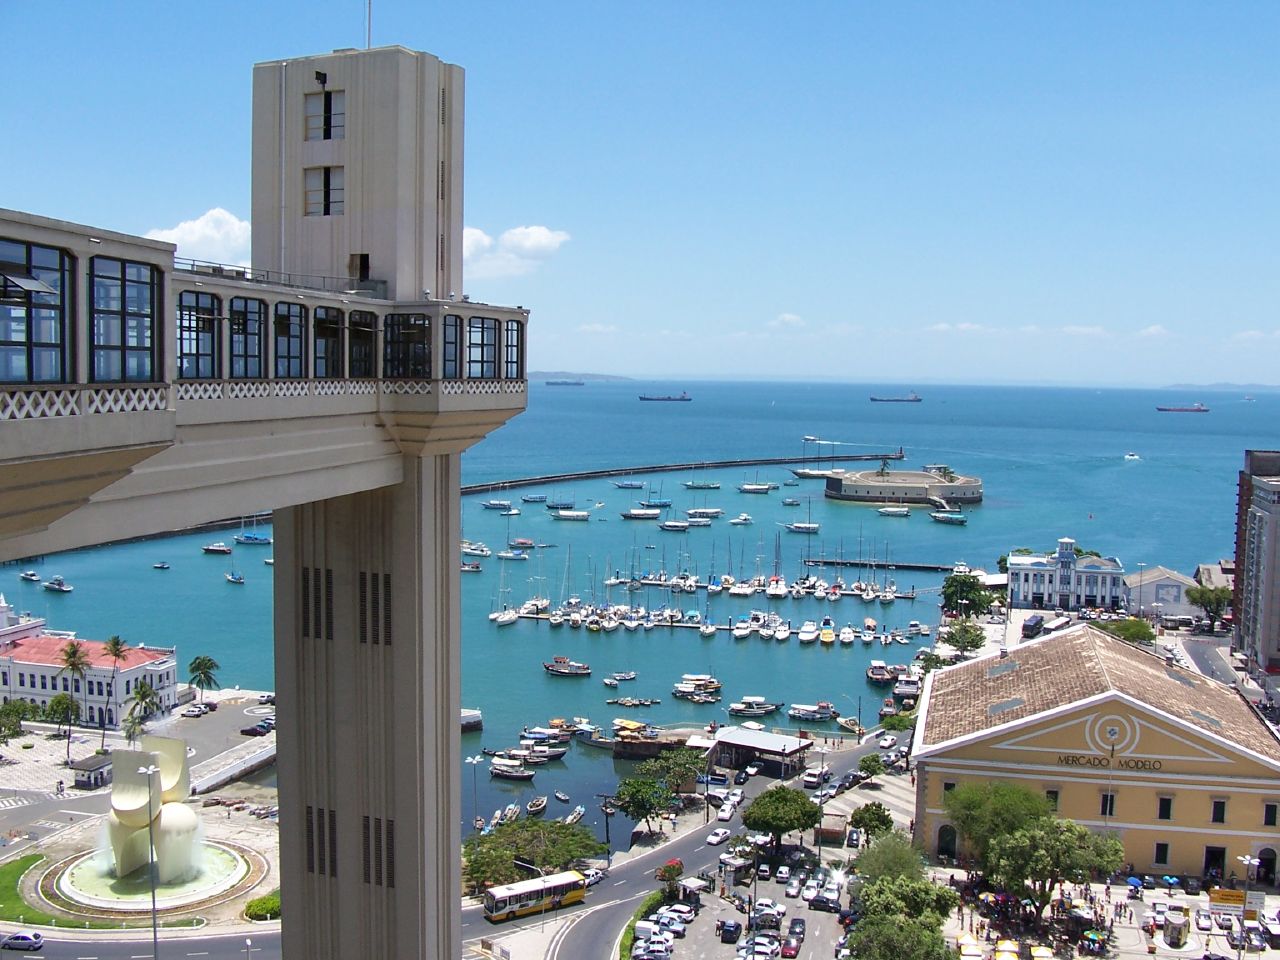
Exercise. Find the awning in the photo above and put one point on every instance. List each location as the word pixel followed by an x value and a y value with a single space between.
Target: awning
pixel 695 884
pixel 15 283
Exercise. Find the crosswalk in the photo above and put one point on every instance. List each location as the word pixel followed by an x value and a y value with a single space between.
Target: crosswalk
pixel 13 803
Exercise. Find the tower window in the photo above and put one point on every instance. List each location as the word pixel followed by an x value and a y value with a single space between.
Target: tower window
pixel 326 115
pixel 323 191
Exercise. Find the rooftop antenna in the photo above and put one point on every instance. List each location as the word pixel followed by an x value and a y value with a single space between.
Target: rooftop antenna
pixel 368 24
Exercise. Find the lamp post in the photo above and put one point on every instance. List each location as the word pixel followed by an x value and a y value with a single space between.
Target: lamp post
pixel 473 762
pixel 1140 586
pixel 822 801
pixel 608 809
pixel 1249 863
pixel 150 771
pixel 1155 607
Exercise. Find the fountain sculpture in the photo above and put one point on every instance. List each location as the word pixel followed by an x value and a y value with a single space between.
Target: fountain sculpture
pixel 150 809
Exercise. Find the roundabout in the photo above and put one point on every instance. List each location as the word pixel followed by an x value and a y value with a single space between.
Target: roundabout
pixel 87 882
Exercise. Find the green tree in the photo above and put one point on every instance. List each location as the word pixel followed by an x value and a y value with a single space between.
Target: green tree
pixel 1133 630
pixel 1212 600
pixel 677 769
pixel 116 649
pixel 900 722
pixel 11 716
pixel 872 819
pixel 75 662
pixel 871 765
pixel 964 637
pixel 896 938
pixel 641 798
pixel 548 844
pixel 144 701
pixel 965 587
pixel 890 855
pixel 981 811
pixel 64 710
pixel 204 674
pixel 908 896
pixel 780 810
pixel 669 874
pixel 1046 851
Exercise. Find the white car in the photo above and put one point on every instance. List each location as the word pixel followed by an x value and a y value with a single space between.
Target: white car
pixel 753 769
pixel 725 814
pixel 1204 921
pixel 811 890
pixel 887 742
pixel 831 891
pixel 783 874
pixel 766 903
pixel 718 836
pixel 793 889
pixel 593 876
pixel 681 910
pixel 194 711
pixel 736 795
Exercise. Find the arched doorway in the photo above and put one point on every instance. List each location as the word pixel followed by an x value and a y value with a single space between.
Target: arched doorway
pixel 947 841
pixel 1267 865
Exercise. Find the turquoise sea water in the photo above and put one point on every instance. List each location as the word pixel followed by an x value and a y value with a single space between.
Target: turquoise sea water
pixel 1051 460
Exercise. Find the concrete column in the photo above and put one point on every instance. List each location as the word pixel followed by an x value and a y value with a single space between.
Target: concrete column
pixel 367 669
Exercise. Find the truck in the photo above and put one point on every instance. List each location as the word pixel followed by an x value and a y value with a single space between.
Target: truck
pixel 1032 626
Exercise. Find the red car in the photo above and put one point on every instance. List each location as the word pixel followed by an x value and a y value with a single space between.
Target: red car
pixel 791 947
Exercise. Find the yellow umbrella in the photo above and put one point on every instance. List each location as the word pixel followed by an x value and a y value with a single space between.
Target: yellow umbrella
pixel 987 897
pixel 1041 952
pixel 970 950
pixel 966 940
pixel 1006 955
pixel 1007 946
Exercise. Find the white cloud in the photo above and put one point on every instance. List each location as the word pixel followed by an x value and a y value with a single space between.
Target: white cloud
pixel 597 328
pixel 1029 328
pixel 787 320
pixel 216 235
pixel 1155 330
pixel 1074 330
pixel 1247 335
pixel 956 328
pixel 516 252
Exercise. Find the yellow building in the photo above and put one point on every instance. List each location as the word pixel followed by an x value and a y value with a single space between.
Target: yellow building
pixel 1180 767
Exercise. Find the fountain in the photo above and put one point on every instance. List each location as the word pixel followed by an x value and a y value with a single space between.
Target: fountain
pixel 151 822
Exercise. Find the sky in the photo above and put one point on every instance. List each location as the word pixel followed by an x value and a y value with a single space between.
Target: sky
pixel 887 192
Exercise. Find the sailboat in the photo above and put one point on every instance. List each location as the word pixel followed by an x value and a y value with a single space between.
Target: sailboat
pixel 251 538
pixel 503 614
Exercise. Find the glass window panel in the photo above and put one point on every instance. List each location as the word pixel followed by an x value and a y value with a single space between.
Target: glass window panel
pixel 106 267
pixel 106 294
pixel 106 330
pixel 46 326
pixel 12 252
pixel 137 331
pixel 137 297
pixel 46 364
pixel 138 271
pixel 13 363
pixel 106 365
pixel 138 365
pixel 47 257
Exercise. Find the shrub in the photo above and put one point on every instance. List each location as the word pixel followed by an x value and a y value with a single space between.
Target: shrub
pixel 650 904
pixel 264 908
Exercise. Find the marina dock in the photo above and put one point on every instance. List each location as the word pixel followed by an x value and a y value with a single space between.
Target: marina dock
pixel 895 565
pixel 899 454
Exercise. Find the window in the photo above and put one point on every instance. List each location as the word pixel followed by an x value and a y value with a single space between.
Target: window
pixel 124 314
pixel 948 786
pixel 326 115
pixel 248 318
pixel 327 331
pixel 360 343
pixel 322 191
pixel 1219 811
pixel 65 685
pixel 452 347
pixel 406 346
pixel 1164 808
pixel 513 351
pixel 1162 853
pixel 1108 805
pixel 35 300
pixel 198 335
pixel 1268 814
pixel 1052 797
pixel 291 335
pixel 482 348
pixel 44 683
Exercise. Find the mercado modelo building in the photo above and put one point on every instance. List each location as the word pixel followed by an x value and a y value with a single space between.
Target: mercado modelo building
pixel 1180 767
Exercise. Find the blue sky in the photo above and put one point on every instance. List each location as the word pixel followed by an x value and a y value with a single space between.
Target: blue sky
pixel 905 192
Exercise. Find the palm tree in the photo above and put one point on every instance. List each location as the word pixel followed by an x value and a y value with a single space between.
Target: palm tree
pixel 132 728
pixel 145 701
pixel 75 662
pixel 204 674
pixel 115 649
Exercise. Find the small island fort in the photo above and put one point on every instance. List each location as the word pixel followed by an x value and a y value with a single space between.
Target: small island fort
pixel 936 484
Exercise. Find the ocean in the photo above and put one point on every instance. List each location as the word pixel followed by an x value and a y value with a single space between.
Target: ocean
pixel 1052 462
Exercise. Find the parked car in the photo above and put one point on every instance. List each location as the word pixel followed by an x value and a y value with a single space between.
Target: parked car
pixel 194 711
pixel 821 902
pixel 740 777
pixel 681 910
pixel 811 889
pixel 783 874
pixel 790 947
pixel 257 730
pixel 730 931
pixel 23 940
pixel 763 871
pixel 768 903
pixel 718 836
pixel 797 927
pixel 793 888
pixel 267 698
pixel 725 813
pixel 854 838
pixel 752 769
pixel 736 795
pixel 1204 920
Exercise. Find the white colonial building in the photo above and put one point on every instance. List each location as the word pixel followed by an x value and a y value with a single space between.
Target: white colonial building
pixel 1160 592
pixel 31 669
pixel 1064 580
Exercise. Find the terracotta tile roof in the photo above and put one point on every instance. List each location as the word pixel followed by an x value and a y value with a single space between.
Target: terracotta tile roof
pixel 1064 668
pixel 44 650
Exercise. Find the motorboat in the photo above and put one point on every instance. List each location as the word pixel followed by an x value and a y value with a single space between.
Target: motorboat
pixel 561 796
pixel 783 633
pixel 790 501
pixel 953 517
pixel 894 511
pixel 520 543
pixel 160 566
pixel 1132 456
pixel 851 724
pixel 218 547
pixel 827 632
pixel 575 815
pixel 777 588
pixel 534 498
pixel 805 527
pixel 820 711
pixel 808 632
pixel 513 555
pixel 693 685
pixel 674 526
pixel 742 629
pixel 475 549
pixel 564 667
pixel 536 806
pixel 753 707
pixel 878 672
pixel 610 682
pixel 642 513
pixel 741 520
pixel 625 675
pixel 847 635
pixel 907 686
pixel 496 504
pixel 30 576
pixel 889 708
pixel 509 769
pixel 510 512
pixel 472 566
pixel 252 539
pixel 57 585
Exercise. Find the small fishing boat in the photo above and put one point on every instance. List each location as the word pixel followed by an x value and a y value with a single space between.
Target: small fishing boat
pixel 233 577
pixel 790 501
pixel 496 504
pixel 879 672
pixel 701 484
pixel 536 806
pixel 534 498
pixel 510 512
pixel 756 488
pixel 478 823
pixel 30 576
pixel 472 567
pixel 511 813
pixel 851 724
pixel 642 513
pixel 889 708
pixel 610 682
pixel 564 667
pixel 218 547
pixel 562 796
pixel 625 675
pixel 674 526
pixel 575 815
pixel 57 585
pixel 1132 456
pixel 625 485
pixel 820 711
pixel 160 566
pixel 252 539
pixel 753 707
pixel 513 555
pixel 269 561
pixel 509 769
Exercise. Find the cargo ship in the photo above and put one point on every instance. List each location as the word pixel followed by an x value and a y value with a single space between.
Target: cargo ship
pixel 564 383
pixel 911 397
pixel 683 398
pixel 1196 407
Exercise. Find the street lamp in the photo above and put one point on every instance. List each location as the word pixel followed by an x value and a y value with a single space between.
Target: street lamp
pixel 1248 863
pixel 1140 586
pixel 474 762
pixel 150 771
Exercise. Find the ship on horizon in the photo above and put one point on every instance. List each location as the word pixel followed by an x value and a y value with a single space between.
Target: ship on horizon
pixel 565 383
pixel 682 398
pixel 911 397
pixel 1196 407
